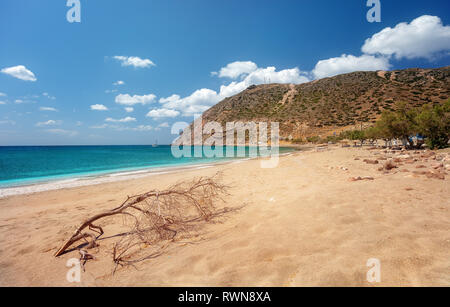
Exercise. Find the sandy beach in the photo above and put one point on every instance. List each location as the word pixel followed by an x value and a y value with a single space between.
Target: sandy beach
pixel 309 222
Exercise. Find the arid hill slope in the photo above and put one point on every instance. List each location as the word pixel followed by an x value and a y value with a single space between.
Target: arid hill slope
pixel 334 104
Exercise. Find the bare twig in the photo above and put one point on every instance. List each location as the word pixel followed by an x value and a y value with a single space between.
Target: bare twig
pixel 153 218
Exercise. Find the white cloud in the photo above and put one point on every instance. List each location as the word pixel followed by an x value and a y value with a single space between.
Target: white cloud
pixel 236 69
pixel 270 75
pixel 7 121
pixel 110 91
pixel 172 98
pixel 119 83
pixel 102 126
pixel 48 96
pixel 197 102
pixel 160 113
pixel 19 72
pixel 126 99
pixel 49 123
pixel 122 128
pixel 122 120
pixel 164 125
pixel 134 61
pixel 129 109
pixel 2 94
pixel 142 128
pixel 349 63
pixel 202 99
pixel 48 109
pixel 24 100
pixel 98 107
pixel 424 37
pixel 69 133
pixel 2 102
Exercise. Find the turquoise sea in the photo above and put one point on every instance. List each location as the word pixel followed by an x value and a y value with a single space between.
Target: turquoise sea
pixel 24 165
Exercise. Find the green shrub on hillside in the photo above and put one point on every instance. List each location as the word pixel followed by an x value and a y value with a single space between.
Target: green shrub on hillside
pixel 313 139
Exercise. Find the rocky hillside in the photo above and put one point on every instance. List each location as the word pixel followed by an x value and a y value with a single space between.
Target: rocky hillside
pixel 330 105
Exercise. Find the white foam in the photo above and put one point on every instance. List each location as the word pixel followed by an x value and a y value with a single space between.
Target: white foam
pixel 111 177
pixel 86 181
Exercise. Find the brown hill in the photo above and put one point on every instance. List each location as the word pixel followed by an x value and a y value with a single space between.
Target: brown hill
pixel 333 104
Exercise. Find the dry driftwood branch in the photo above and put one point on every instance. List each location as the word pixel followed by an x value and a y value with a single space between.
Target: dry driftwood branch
pixel 84 257
pixel 151 219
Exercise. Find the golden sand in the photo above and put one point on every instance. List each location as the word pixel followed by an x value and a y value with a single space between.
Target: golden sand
pixel 303 223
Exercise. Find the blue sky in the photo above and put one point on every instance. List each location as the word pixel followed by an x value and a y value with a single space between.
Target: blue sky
pixel 177 58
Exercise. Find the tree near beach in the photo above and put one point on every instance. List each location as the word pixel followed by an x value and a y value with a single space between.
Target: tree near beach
pixel 355 135
pixel 434 122
pixel 399 124
pixel 431 121
pixel 372 134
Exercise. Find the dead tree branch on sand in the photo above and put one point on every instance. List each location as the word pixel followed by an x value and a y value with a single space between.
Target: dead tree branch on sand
pixel 152 218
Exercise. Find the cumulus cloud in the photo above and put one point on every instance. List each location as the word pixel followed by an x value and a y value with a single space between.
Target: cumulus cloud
pixel 2 102
pixel 129 109
pixel 197 102
pixel 169 99
pixel 270 75
pixel 50 122
pixel 119 83
pixel 424 37
pixel 122 120
pixel 19 72
pixel 161 113
pixel 98 107
pixel 236 69
pixel 128 100
pixel 349 63
pixel 202 99
pixel 164 125
pixel 48 109
pixel 134 61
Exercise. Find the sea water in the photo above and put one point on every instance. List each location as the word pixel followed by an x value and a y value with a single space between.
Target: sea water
pixel 25 165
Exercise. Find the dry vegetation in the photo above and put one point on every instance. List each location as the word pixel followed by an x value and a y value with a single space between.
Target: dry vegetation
pixel 150 221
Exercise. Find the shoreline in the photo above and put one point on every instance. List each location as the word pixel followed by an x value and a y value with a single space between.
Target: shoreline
pixel 88 180
pixel 115 176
